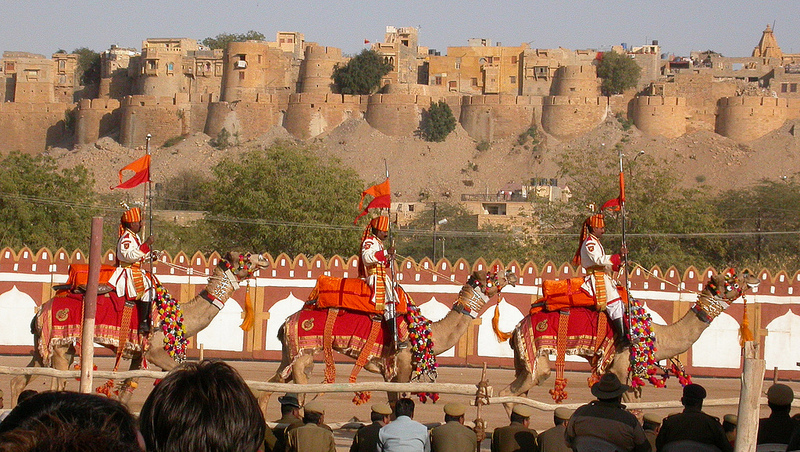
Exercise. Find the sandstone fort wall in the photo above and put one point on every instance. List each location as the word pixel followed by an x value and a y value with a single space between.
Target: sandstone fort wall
pixel 492 117
pixel 95 118
pixel 317 68
pixel 567 117
pixel 660 115
pixel 31 128
pixel 396 114
pixel 27 277
pixel 161 117
pixel 310 114
pixel 748 118
pixel 576 81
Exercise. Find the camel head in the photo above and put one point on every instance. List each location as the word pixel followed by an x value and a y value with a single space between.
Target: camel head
pixel 481 286
pixel 242 266
pixel 721 291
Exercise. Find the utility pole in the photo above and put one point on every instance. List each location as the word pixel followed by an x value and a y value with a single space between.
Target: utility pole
pixel 433 243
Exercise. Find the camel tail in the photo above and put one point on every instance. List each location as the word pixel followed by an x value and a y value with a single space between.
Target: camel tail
pixel 501 336
pixel 33 325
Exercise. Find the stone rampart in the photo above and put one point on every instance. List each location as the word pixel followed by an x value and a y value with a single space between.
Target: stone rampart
pixel 396 114
pixel 95 118
pixel 318 67
pixel 27 277
pixel 247 119
pixel 747 118
pixel 660 115
pixel 567 117
pixel 576 81
pixel 31 128
pixel 310 114
pixel 494 117
pixel 161 117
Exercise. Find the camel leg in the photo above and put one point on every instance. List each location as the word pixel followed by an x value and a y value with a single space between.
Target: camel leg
pixel 20 382
pixel 62 359
pixel 620 368
pixel 526 378
pixel 300 371
pixel 130 384
pixel 402 374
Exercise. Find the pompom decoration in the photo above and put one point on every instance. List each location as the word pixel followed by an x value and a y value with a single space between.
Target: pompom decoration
pixel 423 360
pixel 171 315
pixel 643 365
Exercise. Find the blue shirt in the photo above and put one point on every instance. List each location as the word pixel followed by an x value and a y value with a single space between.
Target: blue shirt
pixel 403 435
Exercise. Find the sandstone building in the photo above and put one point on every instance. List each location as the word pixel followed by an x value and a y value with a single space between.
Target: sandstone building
pixel 174 86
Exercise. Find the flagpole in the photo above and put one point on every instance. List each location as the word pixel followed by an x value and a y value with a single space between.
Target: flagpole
pixel 624 243
pixel 149 200
pixel 392 301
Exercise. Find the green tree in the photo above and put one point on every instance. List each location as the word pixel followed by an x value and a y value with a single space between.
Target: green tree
pixel 41 206
pixel 661 218
pixel 460 237
pixel 765 219
pixel 618 73
pixel 438 122
pixel 362 74
pixel 88 70
pixel 284 199
pixel 222 40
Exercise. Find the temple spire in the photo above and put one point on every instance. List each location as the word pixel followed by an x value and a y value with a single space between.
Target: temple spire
pixel 768 46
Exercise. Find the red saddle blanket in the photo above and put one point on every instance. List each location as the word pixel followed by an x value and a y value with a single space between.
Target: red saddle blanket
pixel 61 320
pixel 538 335
pixel 351 331
pixel 351 293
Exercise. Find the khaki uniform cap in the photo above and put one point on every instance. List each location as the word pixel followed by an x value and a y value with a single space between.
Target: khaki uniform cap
pixel 563 413
pixel 731 419
pixel 522 410
pixel 382 408
pixel 455 409
pixel 314 407
pixel 780 394
pixel 653 418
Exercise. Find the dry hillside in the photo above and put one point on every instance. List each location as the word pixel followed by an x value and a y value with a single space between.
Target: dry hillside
pixel 455 166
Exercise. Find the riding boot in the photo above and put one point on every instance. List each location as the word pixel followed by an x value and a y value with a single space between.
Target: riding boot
pixel 620 333
pixel 144 316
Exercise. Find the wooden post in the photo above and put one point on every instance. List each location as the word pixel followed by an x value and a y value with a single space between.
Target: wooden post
pixel 749 399
pixel 202 352
pixel 90 306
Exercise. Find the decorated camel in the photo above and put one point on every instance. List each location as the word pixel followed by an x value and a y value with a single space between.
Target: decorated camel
pixel 57 326
pixel 364 336
pixel 536 337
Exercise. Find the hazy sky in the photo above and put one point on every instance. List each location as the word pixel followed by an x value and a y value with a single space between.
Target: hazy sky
pixel 731 27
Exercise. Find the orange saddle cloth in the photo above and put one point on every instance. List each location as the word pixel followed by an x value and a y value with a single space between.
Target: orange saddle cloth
pixel 351 293
pixel 79 274
pixel 565 294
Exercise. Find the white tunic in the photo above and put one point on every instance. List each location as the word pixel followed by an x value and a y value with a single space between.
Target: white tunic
pixel 593 256
pixel 373 255
pixel 130 251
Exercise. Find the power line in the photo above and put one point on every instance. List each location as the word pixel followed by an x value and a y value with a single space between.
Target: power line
pixel 407 232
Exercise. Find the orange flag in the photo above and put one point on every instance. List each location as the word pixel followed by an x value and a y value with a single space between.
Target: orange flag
pixel 382 197
pixel 141 168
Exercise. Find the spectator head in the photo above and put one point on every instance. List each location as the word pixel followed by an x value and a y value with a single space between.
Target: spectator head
pixel 199 407
pixel 380 412
pixel 454 411
pixel 290 404
pixel 729 422
pixel 609 388
pixel 561 415
pixel 521 414
pixel 779 397
pixel 651 421
pixel 404 407
pixel 25 395
pixel 67 415
pixel 1 398
pixel 314 412
pixel 693 395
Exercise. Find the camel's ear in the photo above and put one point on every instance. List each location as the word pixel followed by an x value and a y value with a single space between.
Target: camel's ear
pixel 480 275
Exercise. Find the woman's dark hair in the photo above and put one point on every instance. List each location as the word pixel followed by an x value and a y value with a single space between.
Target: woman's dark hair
pixel 202 406
pixel 61 413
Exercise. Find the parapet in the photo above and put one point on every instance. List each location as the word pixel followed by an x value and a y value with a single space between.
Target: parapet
pixel 746 118
pixel 660 115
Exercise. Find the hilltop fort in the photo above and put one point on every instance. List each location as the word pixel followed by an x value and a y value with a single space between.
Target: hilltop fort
pixel 174 87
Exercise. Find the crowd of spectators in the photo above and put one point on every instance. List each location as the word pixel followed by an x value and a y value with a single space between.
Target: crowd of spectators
pixel 207 406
